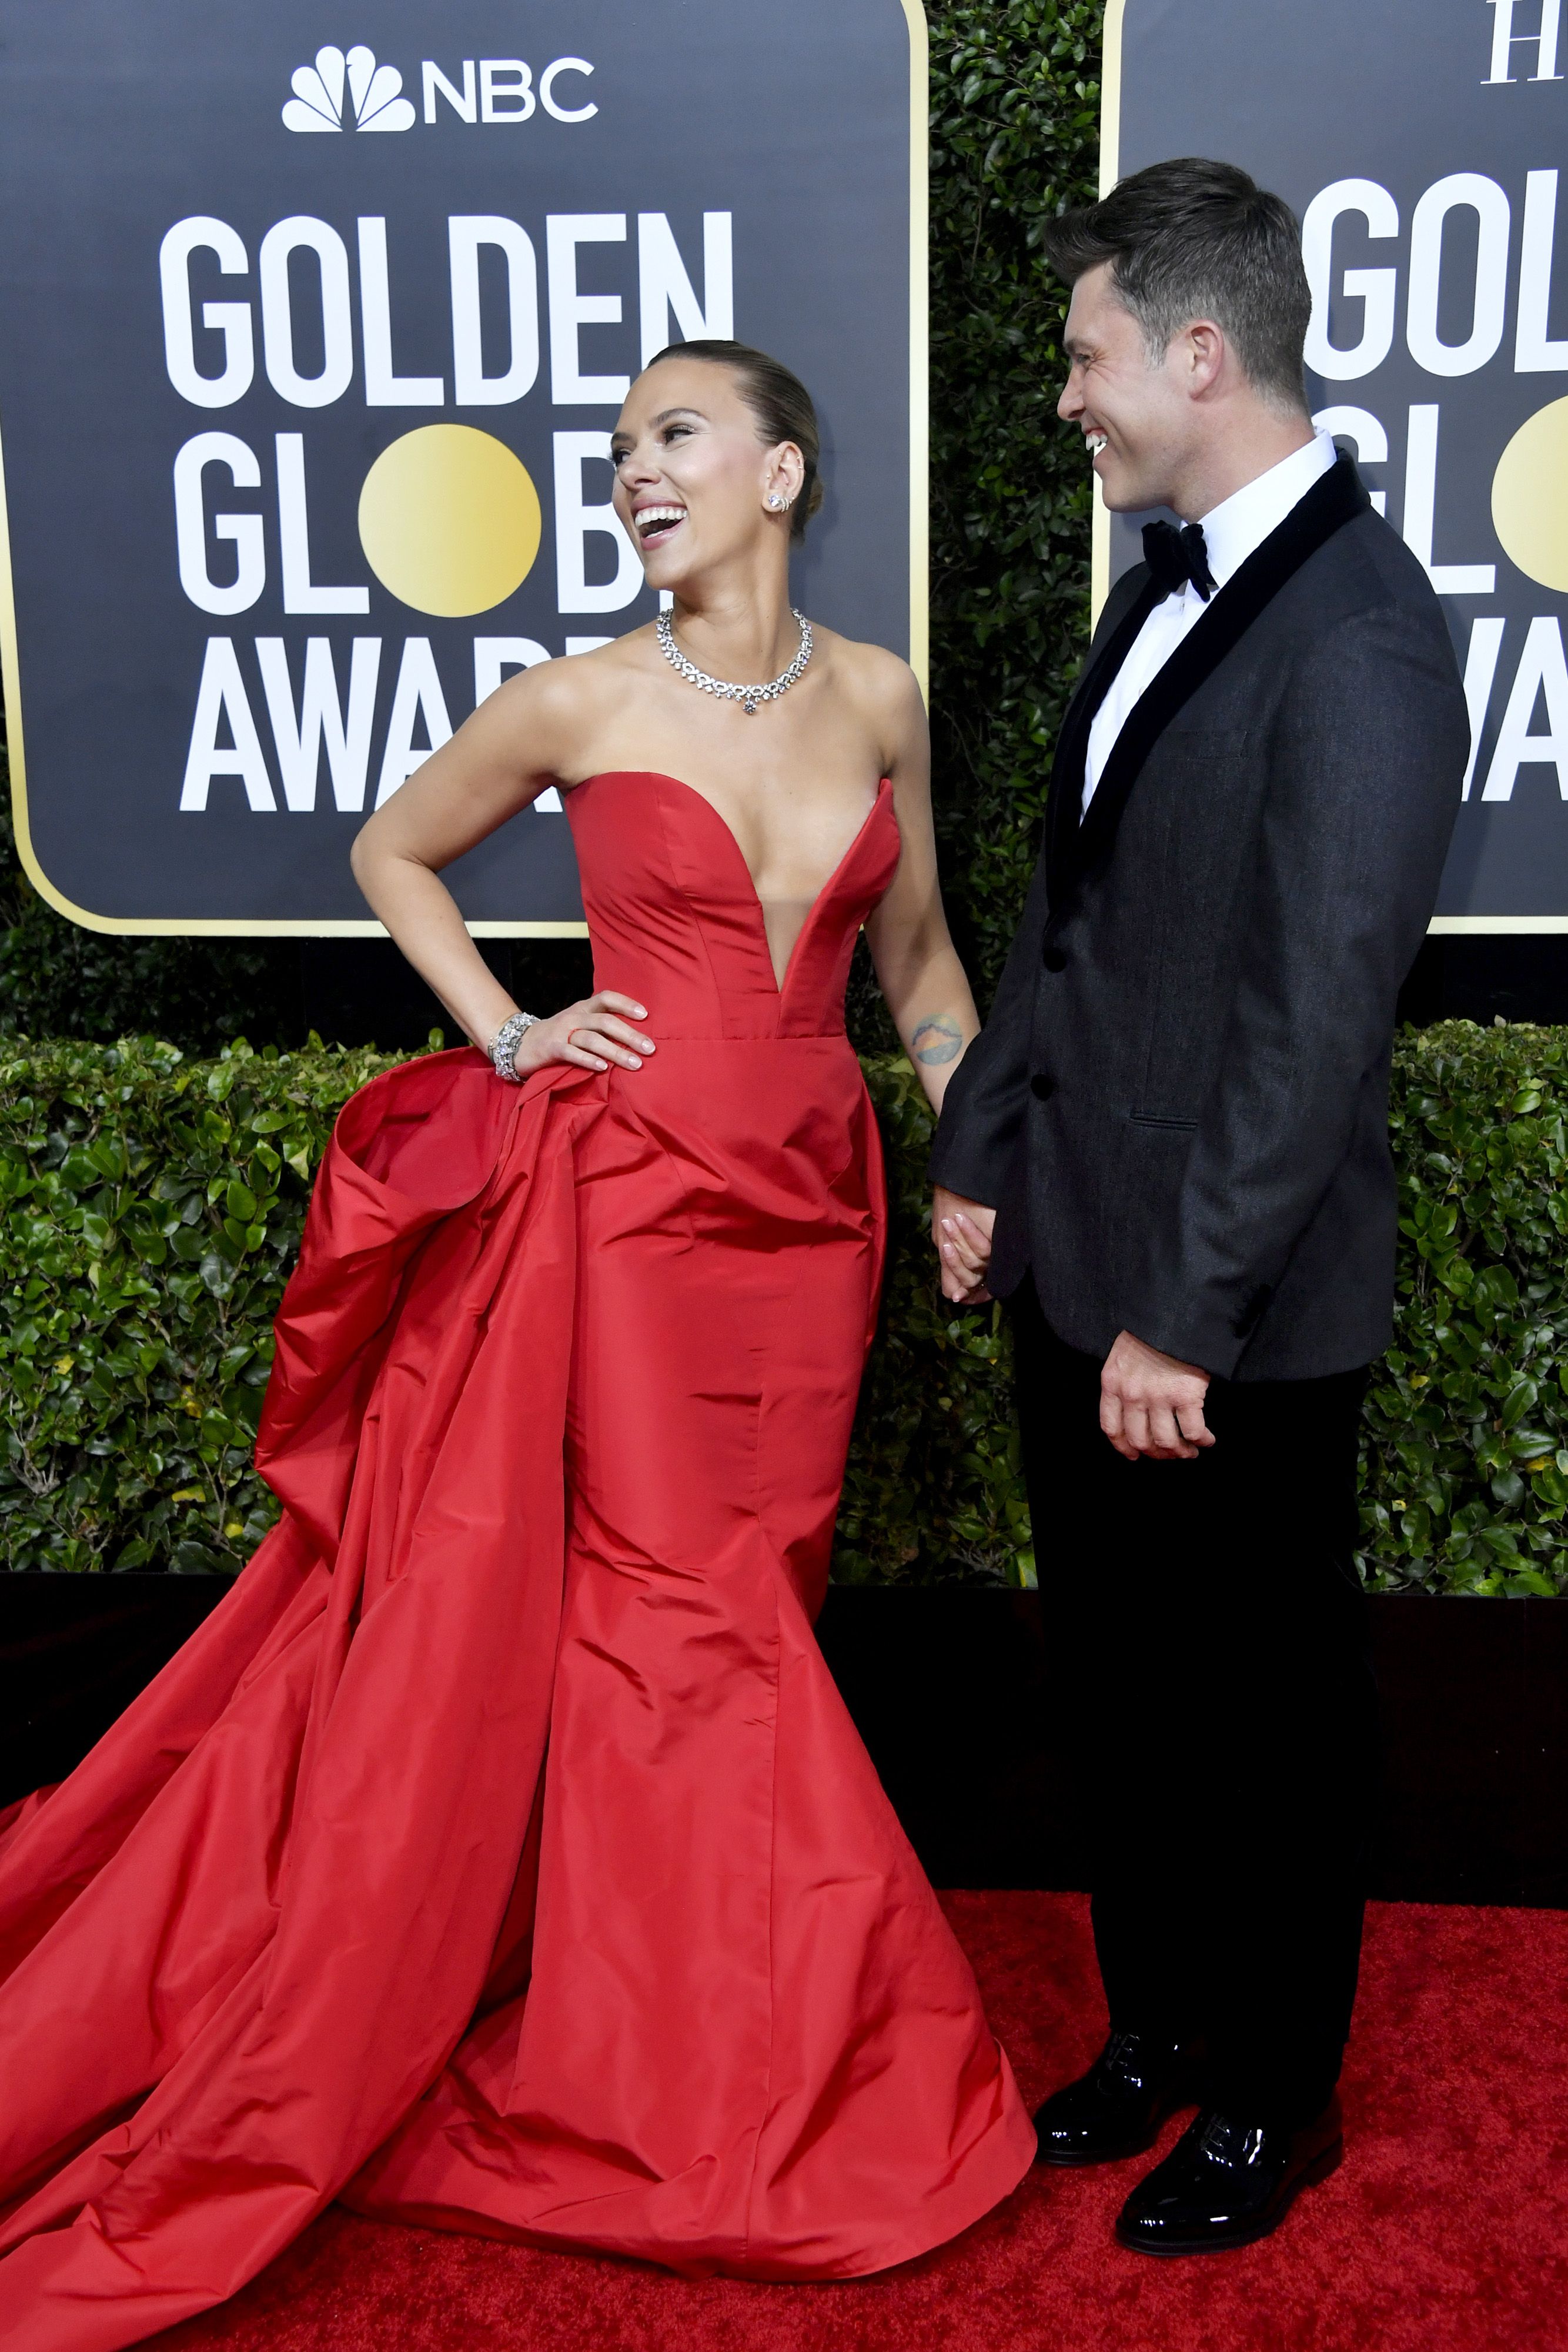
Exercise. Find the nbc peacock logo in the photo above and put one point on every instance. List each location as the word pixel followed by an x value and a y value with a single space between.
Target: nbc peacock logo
pixel 373 91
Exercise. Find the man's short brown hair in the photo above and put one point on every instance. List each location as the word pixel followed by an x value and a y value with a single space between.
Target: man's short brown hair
pixel 1194 239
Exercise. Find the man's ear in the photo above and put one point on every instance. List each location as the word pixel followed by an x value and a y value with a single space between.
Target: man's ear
pixel 1204 354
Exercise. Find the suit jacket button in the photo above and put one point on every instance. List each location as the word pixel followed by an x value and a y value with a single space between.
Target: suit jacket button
pixel 1054 959
pixel 1042 1087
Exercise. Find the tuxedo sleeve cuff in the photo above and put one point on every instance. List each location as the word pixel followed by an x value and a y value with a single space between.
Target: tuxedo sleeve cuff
pixel 976 1174
pixel 1199 1335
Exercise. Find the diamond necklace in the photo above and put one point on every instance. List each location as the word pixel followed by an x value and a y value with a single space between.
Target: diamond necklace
pixel 749 695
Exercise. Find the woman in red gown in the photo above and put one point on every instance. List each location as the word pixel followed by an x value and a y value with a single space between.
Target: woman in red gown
pixel 500 1854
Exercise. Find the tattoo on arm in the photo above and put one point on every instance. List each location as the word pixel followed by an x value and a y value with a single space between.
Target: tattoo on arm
pixel 937 1041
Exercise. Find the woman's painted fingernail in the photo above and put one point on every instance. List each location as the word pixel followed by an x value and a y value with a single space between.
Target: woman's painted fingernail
pixel 639 1012
pixel 946 1224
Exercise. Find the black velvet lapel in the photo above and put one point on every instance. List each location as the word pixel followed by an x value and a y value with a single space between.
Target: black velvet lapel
pixel 1065 792
pixel 1333 502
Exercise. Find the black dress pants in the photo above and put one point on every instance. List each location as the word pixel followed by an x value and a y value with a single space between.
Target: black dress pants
pixel 1212 1696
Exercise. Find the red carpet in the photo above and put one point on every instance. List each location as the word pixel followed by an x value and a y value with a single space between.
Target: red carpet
pixel 1446 2230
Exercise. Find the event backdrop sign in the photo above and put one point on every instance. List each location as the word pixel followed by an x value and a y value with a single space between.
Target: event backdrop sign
pixel 314 324
pixel 1422 143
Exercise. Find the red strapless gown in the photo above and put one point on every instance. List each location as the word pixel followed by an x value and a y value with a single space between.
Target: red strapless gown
pixel 500 1855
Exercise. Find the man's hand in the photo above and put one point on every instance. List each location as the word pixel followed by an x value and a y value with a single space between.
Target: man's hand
pixel 961 1232
pixel 1153 1404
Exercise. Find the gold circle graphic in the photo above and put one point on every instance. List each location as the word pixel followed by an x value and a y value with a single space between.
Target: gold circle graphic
pixel 449 520
pixel 1530 497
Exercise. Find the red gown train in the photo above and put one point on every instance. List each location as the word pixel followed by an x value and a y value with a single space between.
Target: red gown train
pixel 499 1854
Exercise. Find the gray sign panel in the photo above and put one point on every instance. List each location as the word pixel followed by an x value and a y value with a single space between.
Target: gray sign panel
pixel 313 329
pixel 1422 143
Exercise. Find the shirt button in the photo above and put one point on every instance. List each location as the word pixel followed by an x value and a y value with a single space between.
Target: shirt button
pixel 1042 1087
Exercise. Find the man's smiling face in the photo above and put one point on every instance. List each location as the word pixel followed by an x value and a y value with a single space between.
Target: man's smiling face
pixel 1134 419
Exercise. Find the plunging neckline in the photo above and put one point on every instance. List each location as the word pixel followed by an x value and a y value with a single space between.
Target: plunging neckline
pixel 658 775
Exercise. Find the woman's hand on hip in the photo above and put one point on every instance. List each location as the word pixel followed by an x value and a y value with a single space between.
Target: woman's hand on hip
pixel 595 1034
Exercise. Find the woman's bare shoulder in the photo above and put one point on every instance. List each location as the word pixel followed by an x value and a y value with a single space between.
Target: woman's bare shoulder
pixel 558 703
pixel 878 680
pixel 883 694
pixel 582 680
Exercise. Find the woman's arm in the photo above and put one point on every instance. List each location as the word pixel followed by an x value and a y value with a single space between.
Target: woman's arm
pixel 916 964
pixel 508 753
pixel 923 979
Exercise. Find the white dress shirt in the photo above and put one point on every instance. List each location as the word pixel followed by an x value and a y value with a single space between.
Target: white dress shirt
pixel 1235 530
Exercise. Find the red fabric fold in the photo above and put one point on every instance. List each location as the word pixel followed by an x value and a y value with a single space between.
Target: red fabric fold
pixel 309 1826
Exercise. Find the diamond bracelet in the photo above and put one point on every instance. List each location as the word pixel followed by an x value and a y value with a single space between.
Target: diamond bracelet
pixel 503 1045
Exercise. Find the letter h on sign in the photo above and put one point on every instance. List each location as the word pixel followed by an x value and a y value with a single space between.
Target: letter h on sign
pixel 1504 40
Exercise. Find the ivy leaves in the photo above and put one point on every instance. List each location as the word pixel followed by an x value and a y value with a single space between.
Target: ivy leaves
pixel 1015 138
pixel 153 1211
pixel 1465 1483
pixel 153 1208
pixel 934 1489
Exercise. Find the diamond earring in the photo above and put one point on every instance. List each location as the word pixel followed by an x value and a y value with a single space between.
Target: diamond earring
pixel 775 502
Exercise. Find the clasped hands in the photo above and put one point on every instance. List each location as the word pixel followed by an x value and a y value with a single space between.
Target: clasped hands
pixel 1151 1405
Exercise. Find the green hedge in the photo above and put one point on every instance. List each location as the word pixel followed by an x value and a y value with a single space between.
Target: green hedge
pixel 1466 1425
pixel 153 1208
pixel 1015 139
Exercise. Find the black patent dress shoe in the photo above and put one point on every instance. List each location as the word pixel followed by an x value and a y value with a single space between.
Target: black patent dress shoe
pixel 1117 2109
pixel 1225 2183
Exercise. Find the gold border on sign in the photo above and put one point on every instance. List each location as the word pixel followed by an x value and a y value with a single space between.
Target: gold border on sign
pixel 920 345
pixel 1110 164
pixel 1520 925
pixel 226 927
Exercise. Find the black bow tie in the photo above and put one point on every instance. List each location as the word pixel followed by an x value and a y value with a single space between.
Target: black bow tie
pixel 1175 557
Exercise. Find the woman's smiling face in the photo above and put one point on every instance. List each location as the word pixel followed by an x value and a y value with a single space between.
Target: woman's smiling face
pixel 693 476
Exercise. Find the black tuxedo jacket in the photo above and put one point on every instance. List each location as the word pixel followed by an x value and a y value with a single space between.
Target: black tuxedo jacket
pixel 1180 1103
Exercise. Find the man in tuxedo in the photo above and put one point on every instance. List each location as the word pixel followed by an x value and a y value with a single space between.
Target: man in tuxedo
pixel 1176 1122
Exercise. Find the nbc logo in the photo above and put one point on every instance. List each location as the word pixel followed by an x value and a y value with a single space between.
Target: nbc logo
pixel 374 93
